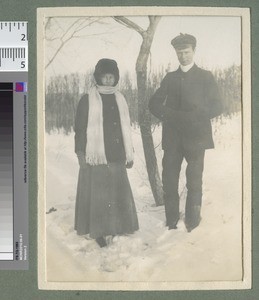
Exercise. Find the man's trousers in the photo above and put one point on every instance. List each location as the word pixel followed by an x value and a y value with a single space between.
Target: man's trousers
pixel 172 161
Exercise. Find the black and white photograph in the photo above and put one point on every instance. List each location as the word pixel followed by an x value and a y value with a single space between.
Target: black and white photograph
pixel 144 148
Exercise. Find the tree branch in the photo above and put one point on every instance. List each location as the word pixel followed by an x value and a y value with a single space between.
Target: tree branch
pixel 47 24
pixel 92 35
pixel 55 54
pixel 83 25
pixel 128 23
pixel 66 32
pixel 78 25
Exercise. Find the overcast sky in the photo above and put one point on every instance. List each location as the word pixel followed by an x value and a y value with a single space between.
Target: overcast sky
pixel 218 43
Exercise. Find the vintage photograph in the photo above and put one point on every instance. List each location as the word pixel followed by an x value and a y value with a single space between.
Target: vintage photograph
pixel 144 148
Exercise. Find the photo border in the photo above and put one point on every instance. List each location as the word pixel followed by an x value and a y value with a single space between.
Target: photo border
pixel 244 13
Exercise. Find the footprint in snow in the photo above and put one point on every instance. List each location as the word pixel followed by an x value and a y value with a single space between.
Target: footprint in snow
pixel 52 209
pixel 118 254
pixel 111 262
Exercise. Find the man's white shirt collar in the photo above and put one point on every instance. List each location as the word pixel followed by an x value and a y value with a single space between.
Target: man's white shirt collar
pixel 187 68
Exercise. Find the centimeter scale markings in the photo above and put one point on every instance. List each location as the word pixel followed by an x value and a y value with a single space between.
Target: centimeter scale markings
pixel 10 25
pixel 12 53
pixel 13 46
pixel 13 145
pixel 12 31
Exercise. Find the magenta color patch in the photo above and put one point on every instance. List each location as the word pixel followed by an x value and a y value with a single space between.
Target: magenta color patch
pixel 20 87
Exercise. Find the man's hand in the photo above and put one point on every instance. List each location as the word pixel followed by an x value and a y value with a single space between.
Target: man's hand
pixel 81 160
pixel 129 164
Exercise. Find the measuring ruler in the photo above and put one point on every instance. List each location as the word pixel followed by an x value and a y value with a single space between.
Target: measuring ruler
pixel 13 145
pixel 13 46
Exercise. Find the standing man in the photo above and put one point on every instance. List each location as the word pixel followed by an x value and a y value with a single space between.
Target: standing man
pixel 185 102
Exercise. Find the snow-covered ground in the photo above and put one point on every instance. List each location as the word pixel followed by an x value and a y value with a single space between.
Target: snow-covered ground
pixel 210 252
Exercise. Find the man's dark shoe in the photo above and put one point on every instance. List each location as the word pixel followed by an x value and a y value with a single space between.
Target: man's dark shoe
pixel 101 242
pixel 193 219
pixel 172 226
pixel 190 227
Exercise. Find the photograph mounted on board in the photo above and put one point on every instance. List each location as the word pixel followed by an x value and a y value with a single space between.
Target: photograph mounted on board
pixel 144 148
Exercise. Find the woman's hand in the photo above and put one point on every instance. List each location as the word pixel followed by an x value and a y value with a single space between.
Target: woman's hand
pixel 129 164
pixel 81 160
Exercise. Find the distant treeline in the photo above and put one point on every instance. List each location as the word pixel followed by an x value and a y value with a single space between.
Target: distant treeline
pixel 64 92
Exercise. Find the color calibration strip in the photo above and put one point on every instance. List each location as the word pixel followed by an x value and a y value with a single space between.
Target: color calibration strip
pixel 13 171
pixel 6 171
pixel 13 146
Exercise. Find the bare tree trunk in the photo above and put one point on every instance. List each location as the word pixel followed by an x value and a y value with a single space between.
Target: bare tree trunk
pixel 148 143
pixel 144 115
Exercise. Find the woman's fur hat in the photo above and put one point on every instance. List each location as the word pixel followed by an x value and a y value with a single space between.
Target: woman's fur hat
pixel 105 66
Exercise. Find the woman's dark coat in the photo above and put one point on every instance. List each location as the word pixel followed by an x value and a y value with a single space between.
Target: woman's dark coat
pixel 104 201
pixel 113 140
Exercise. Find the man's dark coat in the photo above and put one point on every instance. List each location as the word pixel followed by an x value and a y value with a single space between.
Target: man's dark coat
pixel 185 102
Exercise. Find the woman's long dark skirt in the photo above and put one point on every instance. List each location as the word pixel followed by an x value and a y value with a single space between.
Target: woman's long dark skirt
pixel 104 201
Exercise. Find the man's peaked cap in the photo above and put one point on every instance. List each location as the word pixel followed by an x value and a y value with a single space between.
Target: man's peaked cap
pixel 183 40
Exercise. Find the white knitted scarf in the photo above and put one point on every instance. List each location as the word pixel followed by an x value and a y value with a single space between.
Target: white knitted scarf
pixel 95 150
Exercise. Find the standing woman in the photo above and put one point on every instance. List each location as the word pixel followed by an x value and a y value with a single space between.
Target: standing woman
pixel 104 201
